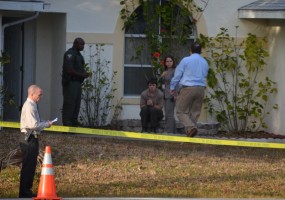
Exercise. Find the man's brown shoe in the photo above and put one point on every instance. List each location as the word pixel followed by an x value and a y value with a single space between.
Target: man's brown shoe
pixel 192 132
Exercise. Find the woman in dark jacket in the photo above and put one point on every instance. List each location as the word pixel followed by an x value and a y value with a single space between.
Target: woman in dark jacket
pixel 169 100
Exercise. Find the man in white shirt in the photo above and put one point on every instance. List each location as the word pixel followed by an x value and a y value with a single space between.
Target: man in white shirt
pixel 190 74
pixel 31 125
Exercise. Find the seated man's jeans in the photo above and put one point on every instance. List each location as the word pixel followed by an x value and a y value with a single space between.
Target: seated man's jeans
pixel 152 115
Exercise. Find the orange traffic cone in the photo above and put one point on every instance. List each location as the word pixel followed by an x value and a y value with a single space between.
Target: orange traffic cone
pixel 47 189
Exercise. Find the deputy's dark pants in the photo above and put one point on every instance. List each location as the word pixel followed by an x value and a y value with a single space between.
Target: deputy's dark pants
pixel 150 115
pixel 71 103
pixel 30 151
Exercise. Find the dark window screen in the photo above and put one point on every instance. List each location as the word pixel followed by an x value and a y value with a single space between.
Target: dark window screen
pixel 136 79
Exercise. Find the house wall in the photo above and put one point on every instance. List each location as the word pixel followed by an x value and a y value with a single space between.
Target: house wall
pixel 99 22
pixel 273 30
pixel 50 46
pixel 223 13
pixel 276 70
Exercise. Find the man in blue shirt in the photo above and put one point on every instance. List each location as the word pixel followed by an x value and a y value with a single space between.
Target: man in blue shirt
pixel 190 75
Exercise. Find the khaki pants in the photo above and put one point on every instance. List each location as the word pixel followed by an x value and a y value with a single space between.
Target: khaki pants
pixel 189 104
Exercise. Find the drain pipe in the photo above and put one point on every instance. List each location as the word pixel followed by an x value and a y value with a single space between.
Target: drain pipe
pixel 15 23
pixel 2 50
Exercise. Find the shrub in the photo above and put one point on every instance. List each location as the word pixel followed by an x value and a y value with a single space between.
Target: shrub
pixel 98 90
pixel 238 95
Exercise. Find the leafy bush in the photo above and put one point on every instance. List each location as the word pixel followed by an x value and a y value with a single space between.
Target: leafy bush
pixel 238 95
pixel 98 90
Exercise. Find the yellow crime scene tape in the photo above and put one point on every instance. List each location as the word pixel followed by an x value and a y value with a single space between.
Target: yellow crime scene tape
pixel 157 137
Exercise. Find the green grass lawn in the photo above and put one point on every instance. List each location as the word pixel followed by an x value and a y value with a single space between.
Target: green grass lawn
pixel 106 167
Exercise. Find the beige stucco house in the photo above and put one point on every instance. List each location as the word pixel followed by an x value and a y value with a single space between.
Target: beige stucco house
pixel 37 33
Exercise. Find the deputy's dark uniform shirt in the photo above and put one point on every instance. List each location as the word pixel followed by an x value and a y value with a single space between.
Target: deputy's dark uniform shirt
pixel 73 59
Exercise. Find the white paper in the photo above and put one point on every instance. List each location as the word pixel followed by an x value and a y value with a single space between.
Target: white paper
pixel 55 120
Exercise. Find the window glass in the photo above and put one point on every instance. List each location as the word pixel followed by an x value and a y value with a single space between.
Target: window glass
pixel 137 61
pixel 136 80
pixel 178 51
pixel 132 46
pixel 140 25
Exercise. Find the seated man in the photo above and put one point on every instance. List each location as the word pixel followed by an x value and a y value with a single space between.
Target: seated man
pixel 151 104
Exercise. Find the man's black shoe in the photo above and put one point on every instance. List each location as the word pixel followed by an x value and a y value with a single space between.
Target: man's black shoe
pixel 27 195
pixel 144 129
pixel 153 130
pixel 76 124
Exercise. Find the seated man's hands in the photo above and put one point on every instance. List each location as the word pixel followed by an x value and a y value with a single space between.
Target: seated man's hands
pixel 149 102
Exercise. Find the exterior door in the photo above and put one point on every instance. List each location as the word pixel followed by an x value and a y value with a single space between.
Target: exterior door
pixel 19 45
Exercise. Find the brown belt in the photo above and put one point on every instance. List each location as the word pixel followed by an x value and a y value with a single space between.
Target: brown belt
pixel 185 86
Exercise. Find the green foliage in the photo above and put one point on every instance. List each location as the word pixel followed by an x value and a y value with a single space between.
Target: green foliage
pixel 167 28
pixel 5 58
pixel 7 97
pixel 238 94
pixel 98 90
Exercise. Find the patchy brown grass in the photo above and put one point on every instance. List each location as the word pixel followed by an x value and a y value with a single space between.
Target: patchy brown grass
pixel 87 166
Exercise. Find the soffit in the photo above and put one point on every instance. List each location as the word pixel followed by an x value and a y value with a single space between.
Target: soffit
pixel 20 8
pixel 263 9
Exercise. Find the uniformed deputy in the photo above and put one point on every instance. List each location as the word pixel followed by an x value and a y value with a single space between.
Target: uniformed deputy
pixel 31 125
pixel 73 74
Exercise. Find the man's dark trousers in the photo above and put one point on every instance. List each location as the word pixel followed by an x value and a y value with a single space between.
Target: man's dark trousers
pixel 30 152
pixel 71 103
pixel 152 115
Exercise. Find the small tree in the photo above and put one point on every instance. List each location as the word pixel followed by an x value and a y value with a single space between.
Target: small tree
pixel 237 95
pixel 98 90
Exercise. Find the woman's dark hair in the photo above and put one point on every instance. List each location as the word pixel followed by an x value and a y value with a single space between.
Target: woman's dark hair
pixel 164 61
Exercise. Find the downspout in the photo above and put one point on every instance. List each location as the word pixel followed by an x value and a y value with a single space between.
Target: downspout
pixel 14 23
pixel 2 50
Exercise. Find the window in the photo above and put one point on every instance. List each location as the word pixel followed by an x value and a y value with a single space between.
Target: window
pixel 158 26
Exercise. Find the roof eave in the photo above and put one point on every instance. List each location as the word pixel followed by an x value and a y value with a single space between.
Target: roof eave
pixel 32 6
pixel 261 14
